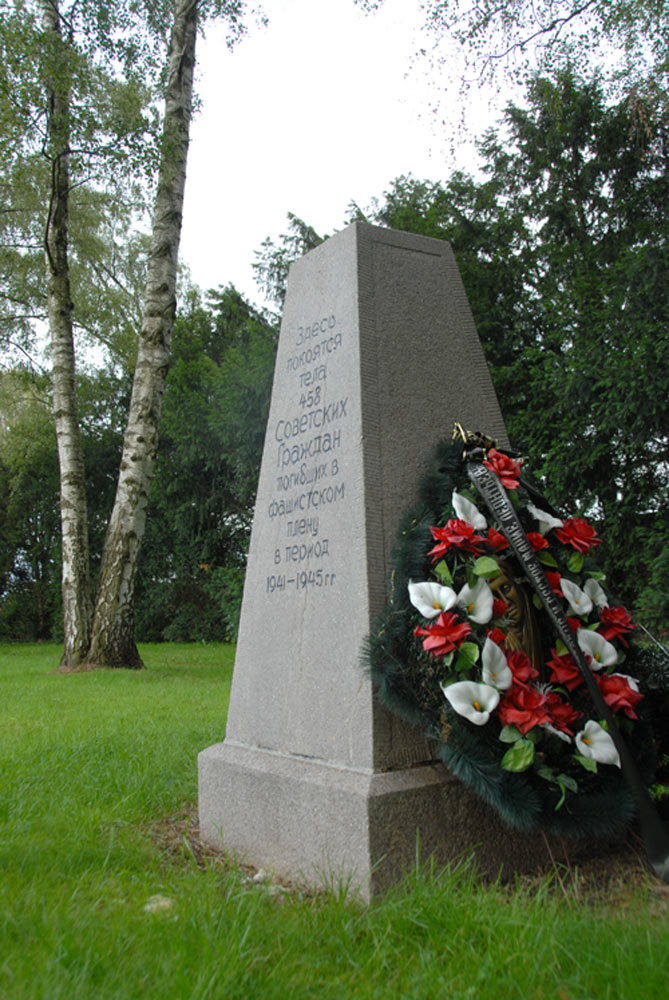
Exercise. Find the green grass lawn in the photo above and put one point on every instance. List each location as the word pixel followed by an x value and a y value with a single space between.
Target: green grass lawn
pixel 93 764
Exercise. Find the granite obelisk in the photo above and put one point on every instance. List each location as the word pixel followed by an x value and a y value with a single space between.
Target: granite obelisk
pixel 378 355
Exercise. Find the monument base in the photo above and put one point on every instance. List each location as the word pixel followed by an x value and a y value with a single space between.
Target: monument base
pixel 320 824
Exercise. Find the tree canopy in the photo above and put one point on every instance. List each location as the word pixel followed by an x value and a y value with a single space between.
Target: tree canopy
pixel 628 38
pixel 563 252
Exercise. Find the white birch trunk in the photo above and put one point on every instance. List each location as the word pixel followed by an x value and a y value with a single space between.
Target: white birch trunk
pixel 76 588
pixel 112 641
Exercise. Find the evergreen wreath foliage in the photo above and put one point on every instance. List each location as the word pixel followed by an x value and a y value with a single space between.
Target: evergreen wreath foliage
pixel 545 782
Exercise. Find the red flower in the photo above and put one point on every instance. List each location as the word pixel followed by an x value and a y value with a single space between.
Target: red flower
pixel 496 540
pixel 506 468
pixel 496 635
pixel 554 580
pixel 618 693
pixel 537 541
pixel 521 668
pixel 444 635
pixel 616 622
pixel 562 714
pixel 499 608
pixel 458 534
pixel 565 672
pixel 577 533
pixel 523 707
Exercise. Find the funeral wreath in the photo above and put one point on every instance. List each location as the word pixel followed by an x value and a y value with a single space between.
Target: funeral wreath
pixel 466 650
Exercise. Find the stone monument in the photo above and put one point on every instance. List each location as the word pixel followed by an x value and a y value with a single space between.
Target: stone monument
pixel 378 355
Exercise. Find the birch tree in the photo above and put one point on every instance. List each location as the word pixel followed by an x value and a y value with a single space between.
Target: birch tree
pixel 65 64
pixel 78 83
pixel 76 588
pixel 113 642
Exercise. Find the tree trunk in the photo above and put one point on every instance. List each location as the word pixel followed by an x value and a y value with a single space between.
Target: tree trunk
pixel 76 588
pixel 112 641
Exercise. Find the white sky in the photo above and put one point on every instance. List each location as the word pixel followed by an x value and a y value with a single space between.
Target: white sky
pixel 321 107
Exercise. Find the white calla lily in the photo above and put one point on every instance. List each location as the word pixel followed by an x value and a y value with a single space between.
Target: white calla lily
pixel 495 671
pixel 594 645
pixel 579 602
pixel 546 520
pixel 468 511
pixel 431 598
pixel 477 602
pixel 595 742
pixel 471 700
pixel 596 593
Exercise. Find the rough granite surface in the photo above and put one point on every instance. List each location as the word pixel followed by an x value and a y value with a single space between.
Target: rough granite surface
pixel 378 356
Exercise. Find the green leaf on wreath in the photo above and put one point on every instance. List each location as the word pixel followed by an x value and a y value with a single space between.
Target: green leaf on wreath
pixel 575 562
pixel 472 578
pixel 510 734
pixel 560 648
pixel 566 781
pixel 545 557
pixel 519 757
pixel 547 773
pixel 534 734
pixel 486 567
pixel 537 602
pixel 444 573
pixel 589 763
pixel 468 654
pixel 470 650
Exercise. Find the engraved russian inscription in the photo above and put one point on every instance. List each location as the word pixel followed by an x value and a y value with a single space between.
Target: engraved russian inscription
pixel 309 438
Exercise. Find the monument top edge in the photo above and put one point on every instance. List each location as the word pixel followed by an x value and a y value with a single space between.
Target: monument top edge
pixel 366 232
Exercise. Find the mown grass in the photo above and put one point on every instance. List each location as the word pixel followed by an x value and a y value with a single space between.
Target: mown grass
pixel 91 764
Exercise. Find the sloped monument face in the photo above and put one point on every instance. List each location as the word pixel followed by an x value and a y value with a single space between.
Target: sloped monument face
pixel 378 355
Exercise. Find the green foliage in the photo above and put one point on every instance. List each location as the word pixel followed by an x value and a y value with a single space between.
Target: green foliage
pixel 102 69
pixel 29 567
pixel 274 259
pixel 213 426
pixel 214 413
pixel 562 250
pixel 30 603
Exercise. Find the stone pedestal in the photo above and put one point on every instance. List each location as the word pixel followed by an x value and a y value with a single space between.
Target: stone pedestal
pixel 378 355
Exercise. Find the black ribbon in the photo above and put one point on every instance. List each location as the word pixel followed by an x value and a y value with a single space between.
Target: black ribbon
pixel 655 837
